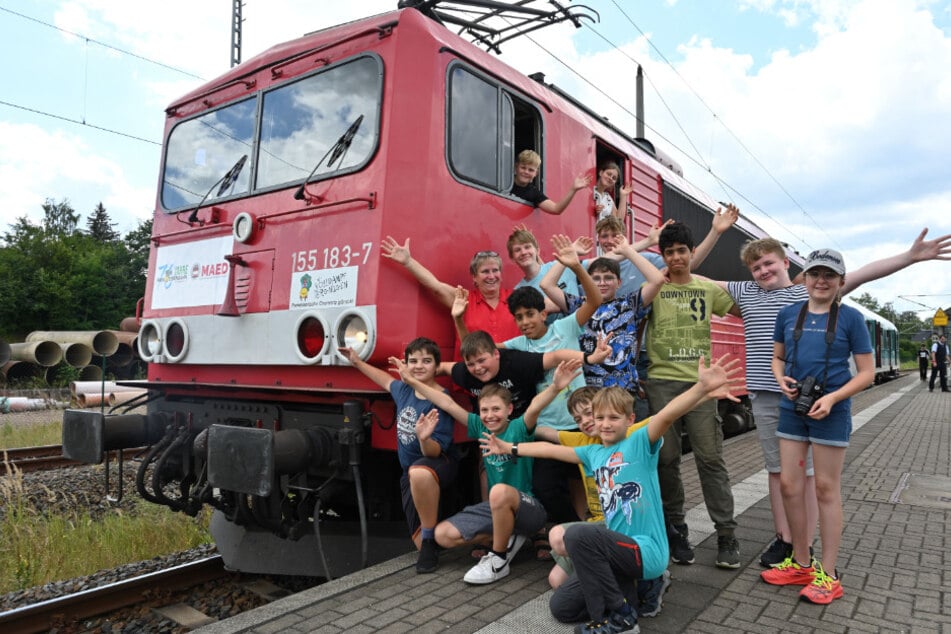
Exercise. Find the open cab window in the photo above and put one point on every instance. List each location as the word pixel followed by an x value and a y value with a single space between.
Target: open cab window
pixel 488 126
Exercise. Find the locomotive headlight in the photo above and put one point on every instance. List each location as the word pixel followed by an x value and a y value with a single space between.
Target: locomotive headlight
pixel 176 340
pixel 354 331
pixel 243 227
pixel 311 337
pixel 150 340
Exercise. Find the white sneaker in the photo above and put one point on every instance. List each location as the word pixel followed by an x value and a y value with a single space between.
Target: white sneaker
pixel 515 543
pixel 489 569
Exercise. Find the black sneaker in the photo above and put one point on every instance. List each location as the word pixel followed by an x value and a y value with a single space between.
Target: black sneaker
pixel 650 594
pixel 616 623
pixel 428 557
pixel 680 550
pixel 776 554
pixel 728 552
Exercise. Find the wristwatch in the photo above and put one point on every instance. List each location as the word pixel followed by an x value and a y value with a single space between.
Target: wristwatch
pixel 515 449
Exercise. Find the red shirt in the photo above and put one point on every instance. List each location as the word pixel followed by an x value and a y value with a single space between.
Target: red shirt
pixel 498 321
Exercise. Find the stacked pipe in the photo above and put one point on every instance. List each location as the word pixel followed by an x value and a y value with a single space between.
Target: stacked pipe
pixel 96 393
pixel 41 356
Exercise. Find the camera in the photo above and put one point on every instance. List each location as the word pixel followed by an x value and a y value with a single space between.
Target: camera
pixel 809 391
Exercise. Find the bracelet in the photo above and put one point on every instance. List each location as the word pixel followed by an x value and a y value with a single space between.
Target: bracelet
pixel 515 449
pixel 584 358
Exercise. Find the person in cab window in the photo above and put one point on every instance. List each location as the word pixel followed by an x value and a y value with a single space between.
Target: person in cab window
pixel 526 169
pixel 608 175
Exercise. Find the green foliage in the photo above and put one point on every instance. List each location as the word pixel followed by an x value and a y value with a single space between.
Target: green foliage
pixel 38 435
pixel 55 277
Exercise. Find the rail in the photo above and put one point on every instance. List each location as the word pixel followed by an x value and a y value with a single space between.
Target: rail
pixel 43 458
pixel 43 616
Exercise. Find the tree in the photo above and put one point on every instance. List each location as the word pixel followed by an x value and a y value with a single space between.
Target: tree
pixel 59 219
pixel 99 227
pixel 55 277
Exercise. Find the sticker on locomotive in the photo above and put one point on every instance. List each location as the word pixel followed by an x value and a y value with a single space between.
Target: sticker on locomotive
pixel 324 288
pixel 192 274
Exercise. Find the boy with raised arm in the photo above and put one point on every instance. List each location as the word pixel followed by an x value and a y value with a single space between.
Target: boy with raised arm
pixel 512 512
pixel 609 559
pixel 615 319
pixel 424 444
pixel 526 169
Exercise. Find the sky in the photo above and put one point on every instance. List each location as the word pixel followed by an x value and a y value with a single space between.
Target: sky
pixel 828 122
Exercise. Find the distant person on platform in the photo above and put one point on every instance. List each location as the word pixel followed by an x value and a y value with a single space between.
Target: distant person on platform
pixel 526 169
pixel 939 363
pixel 924 361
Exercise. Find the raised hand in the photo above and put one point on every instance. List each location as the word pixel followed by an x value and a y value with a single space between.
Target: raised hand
pixel 399 366
pixel 565 373
pixel 601 351
pixel 723 219
pixel 565 251
pixel 395 251
pixel 426 424
pixel 937 249
pixel 654 234
pixel 581 181
pixel 460 301
pixel 721 377
pixel 494 446
pixel 349 354
pixel 583 245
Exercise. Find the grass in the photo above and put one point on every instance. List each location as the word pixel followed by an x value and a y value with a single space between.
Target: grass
pixel 35 435
pixel 36 548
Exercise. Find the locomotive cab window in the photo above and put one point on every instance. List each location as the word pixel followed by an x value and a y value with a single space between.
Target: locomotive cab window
pixel 327 122
pixel 487 127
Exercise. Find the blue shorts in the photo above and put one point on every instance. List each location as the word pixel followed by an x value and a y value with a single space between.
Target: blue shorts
pixel 833 430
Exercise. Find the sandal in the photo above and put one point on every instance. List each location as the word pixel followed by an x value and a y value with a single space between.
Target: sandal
pixel 541 545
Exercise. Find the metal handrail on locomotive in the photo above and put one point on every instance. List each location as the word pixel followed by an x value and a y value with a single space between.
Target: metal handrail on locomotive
pixel 279 180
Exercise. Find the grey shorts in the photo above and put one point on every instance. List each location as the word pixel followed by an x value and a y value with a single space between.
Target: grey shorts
pixel 766 414
pixel 477 518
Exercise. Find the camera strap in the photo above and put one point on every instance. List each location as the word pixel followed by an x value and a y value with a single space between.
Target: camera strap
pixel 830 334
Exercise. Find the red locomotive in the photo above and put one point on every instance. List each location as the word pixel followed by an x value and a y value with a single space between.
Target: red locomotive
pixel 278 182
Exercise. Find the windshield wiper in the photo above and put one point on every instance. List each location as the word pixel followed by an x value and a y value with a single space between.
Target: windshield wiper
pixel 337 151
pixel 227 181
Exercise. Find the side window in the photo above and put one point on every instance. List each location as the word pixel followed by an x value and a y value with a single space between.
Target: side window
pixel 487 127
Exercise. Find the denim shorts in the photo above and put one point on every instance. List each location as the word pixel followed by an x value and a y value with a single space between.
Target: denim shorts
pixel 476 519
pixel 833 430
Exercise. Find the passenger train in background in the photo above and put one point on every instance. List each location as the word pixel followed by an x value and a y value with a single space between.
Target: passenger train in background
pixel 278 182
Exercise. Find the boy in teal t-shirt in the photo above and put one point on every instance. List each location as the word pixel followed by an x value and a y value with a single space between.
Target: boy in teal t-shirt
pixel 633 545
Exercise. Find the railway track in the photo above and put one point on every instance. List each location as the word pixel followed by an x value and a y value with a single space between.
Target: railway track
pixel 64 610
pixel 44 458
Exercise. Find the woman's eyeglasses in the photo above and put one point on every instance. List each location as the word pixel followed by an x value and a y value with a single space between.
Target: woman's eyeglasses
pixel 828 276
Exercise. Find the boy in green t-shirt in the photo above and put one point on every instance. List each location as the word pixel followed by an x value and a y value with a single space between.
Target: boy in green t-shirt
pixel 511 512
pixel 678 333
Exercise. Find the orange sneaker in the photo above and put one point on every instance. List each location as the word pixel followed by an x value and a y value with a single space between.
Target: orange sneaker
pixel 823 589
pixel 789 573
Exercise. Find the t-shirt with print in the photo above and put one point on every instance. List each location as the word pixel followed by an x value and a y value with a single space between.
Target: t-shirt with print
pixel 580 439
pixel 606 200
pixel 409 407
pixel 506 469
pixel 807 357
pixel 561 335
pixel 617 318
pixel 530 193
pixel 759 308
pixel 519 372
pixel 626 475
pixel 678 330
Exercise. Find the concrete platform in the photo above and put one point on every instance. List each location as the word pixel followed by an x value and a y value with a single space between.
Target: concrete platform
pixel 894 559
